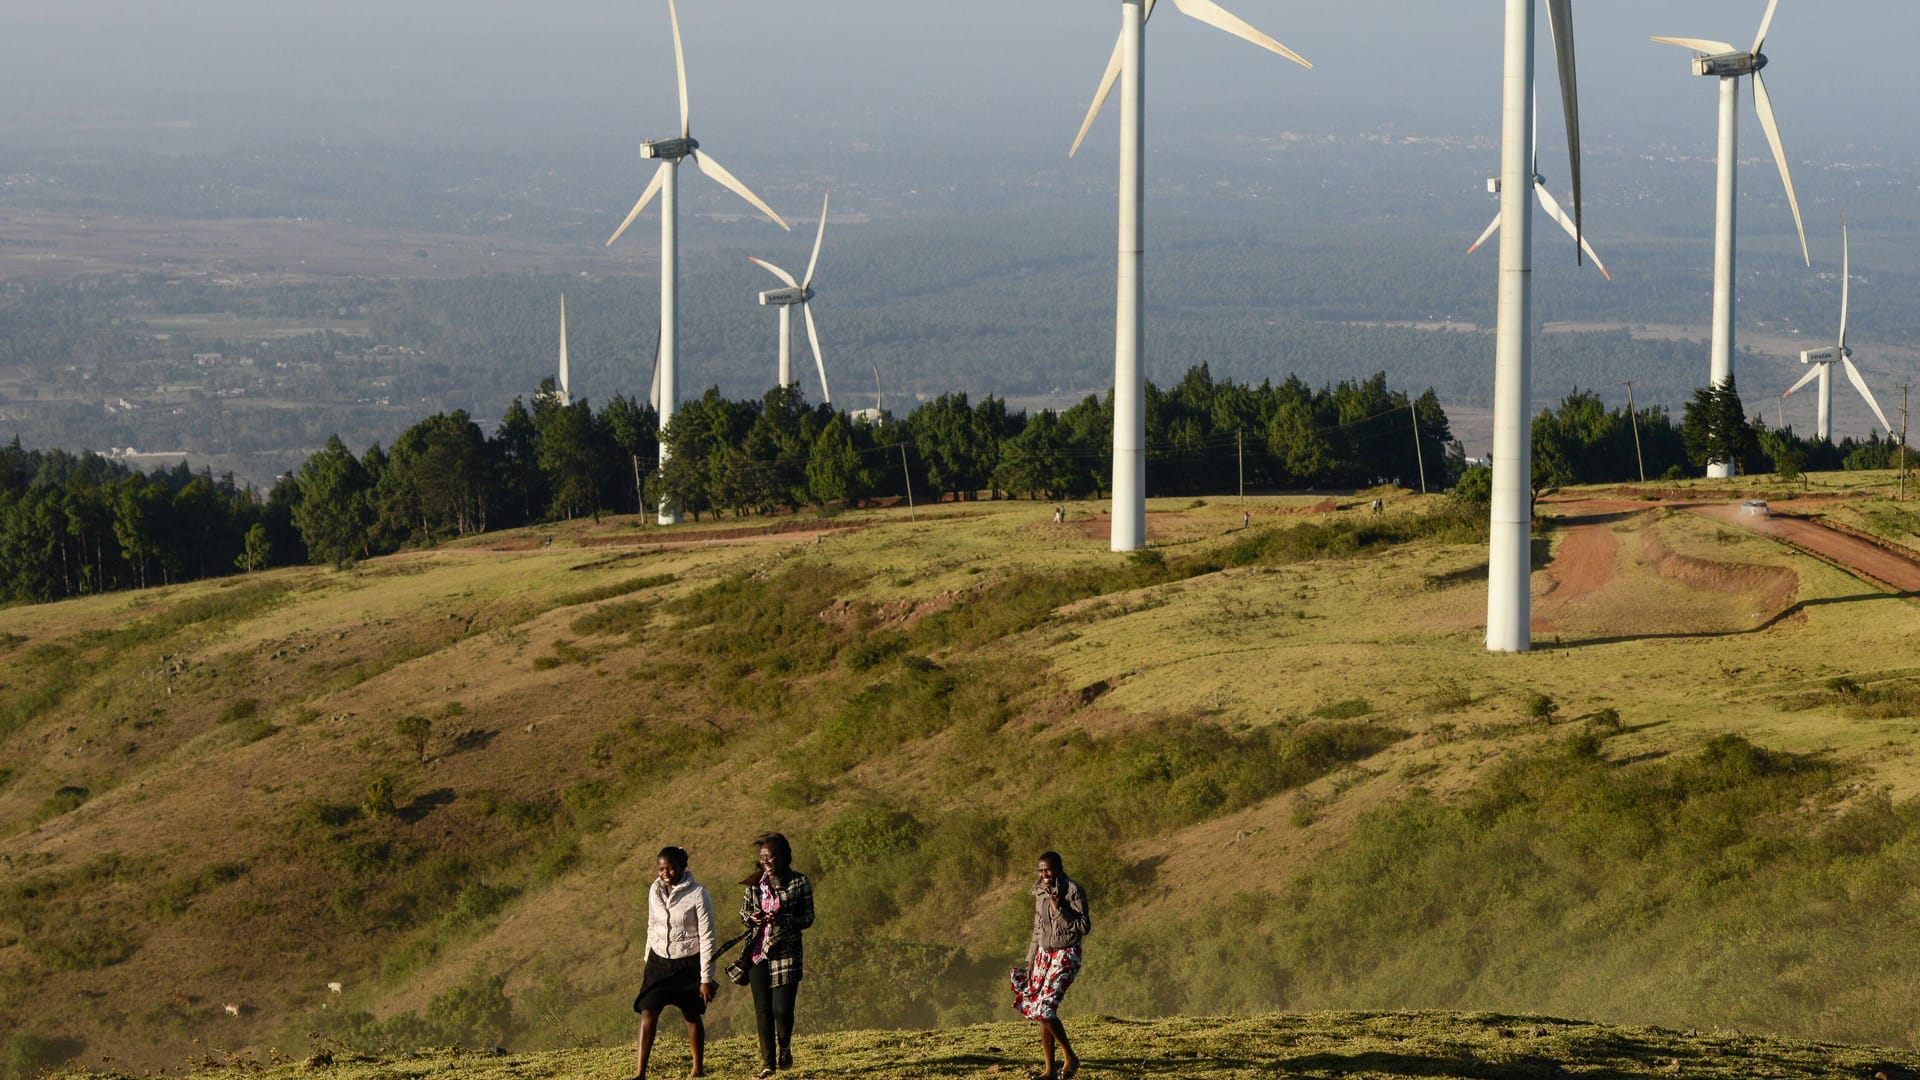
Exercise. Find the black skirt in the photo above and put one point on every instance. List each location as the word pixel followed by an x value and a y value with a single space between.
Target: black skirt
pixel 671 982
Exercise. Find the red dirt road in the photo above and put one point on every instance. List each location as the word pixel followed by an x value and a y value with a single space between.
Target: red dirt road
pixel 1861 557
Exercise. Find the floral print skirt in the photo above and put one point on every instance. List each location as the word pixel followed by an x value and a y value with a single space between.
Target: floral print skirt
pixel 1037 990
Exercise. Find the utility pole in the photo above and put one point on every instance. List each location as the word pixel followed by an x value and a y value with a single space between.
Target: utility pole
pixel 1634 419
pixel 1904 387
pixel 912 514
pixel 1240 444
pixel 1419 455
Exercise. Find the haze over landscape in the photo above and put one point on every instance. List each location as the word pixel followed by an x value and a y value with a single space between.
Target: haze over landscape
pixel 356 734
pixel 501 140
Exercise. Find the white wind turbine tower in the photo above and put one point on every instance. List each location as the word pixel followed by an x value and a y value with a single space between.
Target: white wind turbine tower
pixel 566 396
pixel 666 184
pixel 1821 361
pixel 1128 68
pixel 1509 556
pixel 799 294
pixel 1720 60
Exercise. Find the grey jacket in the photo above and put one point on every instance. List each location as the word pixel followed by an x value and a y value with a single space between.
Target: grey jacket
pixel 1061 929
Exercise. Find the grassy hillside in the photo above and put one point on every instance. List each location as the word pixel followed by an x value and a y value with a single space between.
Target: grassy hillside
pixel 1280 758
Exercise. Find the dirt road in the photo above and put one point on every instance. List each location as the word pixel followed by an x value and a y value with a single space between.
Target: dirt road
pixel 1861 557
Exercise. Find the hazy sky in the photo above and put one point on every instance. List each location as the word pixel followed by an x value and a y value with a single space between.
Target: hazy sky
pixel 1007 77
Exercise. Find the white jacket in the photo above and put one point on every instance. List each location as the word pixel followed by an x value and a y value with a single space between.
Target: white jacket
pixel 680 922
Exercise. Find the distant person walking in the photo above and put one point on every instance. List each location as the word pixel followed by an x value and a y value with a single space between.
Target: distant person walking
pixel 1060 920
pixel 680 950
pixel 777 905
pixel 1059 515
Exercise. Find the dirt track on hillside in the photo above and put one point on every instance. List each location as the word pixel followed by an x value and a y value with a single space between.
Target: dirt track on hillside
pixel 1876 562
pixel 1584 563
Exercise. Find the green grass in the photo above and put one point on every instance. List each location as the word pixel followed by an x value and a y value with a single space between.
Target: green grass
pixel 1359 1046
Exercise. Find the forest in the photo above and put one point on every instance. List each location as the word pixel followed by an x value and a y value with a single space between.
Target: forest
pixel 75 524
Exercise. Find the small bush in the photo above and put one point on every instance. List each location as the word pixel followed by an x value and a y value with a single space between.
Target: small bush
pixel 866 836
pixel 1585 745
pixel 65 799
pixel 1608 720
pixel 378 800
pixel 870 650
pixel 243 709
pixel 476 902
pixel 1449 696
pixel 1541 708
pixel 416 730
pixel 1350 709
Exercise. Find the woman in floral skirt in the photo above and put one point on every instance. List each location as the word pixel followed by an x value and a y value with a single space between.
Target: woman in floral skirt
pixel 1053 959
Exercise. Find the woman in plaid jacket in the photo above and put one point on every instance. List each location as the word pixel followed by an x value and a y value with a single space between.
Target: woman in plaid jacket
pixel 777 904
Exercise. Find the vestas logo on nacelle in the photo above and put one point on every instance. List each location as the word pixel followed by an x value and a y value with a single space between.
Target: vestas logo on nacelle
pixel 669 149
pixel 785 297
pixel 1729 65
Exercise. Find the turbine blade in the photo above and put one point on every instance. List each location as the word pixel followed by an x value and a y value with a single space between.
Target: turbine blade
pixel 817 238
pixel 1699 45
pixel 1860 384
pixel 1560 22
pixel 680 65
pixel 653 395
pixel 1533 138
pixel 1765 22
pixel 653 188
pixel 1100 96
pixel 1552 207
pixel 1492 227
pixel 1846 280
pixel 1763 102
pixel 813 338
pixel 1813 372
pixel 776 271
pixel 732 183
pixel 1220 18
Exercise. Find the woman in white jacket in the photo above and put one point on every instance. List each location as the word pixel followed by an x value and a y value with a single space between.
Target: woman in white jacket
pixel 680 952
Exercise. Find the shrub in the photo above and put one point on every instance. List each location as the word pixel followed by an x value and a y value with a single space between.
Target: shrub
pixel 243 709
pixel 870 650
pixel 378 800
pixel 65 799
pixel 476 902
pixel 416 730
pixel 25 1055
pixel 865 836
pixel 1542 708
pixel 1350 709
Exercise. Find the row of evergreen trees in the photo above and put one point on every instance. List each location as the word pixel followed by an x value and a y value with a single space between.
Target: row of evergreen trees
pixel 77 524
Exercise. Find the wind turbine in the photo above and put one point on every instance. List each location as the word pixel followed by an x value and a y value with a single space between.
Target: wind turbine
pixel 1821 361
pixel 798 294
pixel 666 184
pixel 1128 68
pixel 566 397
pixel 1547 203
pixel 1509 556
pixel 1720 60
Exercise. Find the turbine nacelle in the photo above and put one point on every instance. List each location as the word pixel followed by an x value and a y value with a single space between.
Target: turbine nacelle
pixel 1828 355
pixel 669 149
pixel 1730 65
pixel 789 297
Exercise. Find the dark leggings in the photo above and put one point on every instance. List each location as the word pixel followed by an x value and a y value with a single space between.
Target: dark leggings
pixel 772 1008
